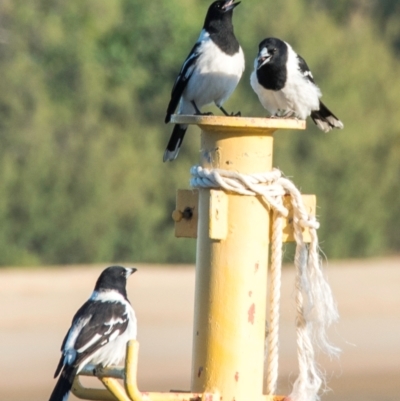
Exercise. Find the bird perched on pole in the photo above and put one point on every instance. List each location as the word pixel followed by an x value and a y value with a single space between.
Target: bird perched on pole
pixel 209 74
pixel 285 86
pixel 99 330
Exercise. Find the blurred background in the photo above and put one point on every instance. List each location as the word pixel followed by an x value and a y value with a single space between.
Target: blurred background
pixel 83 92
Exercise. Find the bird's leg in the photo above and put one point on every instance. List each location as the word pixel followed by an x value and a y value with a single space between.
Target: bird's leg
pixel 288 114
pixel 278 114
pixel 283 114
pixel 197 110
pixel 238 114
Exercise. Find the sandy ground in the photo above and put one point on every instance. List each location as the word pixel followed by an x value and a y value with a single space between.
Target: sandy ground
pixel 36 307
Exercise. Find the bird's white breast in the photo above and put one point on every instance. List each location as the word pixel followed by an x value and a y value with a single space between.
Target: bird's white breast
pixel 301 94
pixel 215 75
pixel 273 101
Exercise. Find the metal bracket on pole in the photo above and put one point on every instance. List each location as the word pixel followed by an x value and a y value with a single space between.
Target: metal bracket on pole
pixel 130 392
pixel 186 215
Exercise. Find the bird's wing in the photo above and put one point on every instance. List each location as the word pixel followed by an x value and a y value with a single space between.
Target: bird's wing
pixel 182 79
pixel 69 353
pixel 304 69
pixel 94 325
pixel 110 320
pixel 62 359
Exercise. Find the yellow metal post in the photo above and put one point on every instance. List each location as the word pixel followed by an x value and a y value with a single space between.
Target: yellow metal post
pixel 231 272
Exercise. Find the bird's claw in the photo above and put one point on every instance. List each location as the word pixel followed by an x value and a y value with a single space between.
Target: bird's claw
pixel 207 113
pixel 97 369
pixel 289 115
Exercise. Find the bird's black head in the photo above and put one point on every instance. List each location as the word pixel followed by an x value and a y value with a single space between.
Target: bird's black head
pixel 218 13
pixel 271 51
pixel 270 64
pixel 114 278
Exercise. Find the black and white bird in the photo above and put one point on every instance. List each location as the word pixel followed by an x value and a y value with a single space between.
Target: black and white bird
pixel 209 74
pixel 285 86
pixel 99 330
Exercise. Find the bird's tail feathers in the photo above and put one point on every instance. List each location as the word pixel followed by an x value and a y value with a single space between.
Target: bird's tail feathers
pixel 325 119
pixel 59 367
pixel 64 384
pixel 175 142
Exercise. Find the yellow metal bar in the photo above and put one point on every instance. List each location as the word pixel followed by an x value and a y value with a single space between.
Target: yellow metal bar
pixel 116 372
pixel 85 393
pixel 115 388
pixel 247 126
pixel 231 273
pixel 134 394
pixel 131 362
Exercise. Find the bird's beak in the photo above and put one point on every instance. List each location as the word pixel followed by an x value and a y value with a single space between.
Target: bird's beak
pixel 230 5
pixel 263 57
pixel 130 270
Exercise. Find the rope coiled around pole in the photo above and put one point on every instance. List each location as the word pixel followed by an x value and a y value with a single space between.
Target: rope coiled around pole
pixel 316 309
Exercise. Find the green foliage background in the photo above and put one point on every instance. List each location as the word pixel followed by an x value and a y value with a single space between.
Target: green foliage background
pixel 83 91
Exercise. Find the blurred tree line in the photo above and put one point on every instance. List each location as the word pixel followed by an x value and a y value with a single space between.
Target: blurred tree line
pixel 83 92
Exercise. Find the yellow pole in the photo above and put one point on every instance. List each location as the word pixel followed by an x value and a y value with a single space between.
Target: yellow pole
pixel 231 274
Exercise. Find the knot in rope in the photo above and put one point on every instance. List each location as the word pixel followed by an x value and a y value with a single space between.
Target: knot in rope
pixel 270 185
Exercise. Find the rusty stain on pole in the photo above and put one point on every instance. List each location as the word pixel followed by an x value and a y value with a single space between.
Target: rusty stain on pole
pixel 231 273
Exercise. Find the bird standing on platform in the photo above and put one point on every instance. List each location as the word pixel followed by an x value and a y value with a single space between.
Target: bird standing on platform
pixel 99 331
pixel 209 74
pixel 285 86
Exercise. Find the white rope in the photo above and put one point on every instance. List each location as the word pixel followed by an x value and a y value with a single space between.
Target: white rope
pixel 316 309
pixel 275 296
